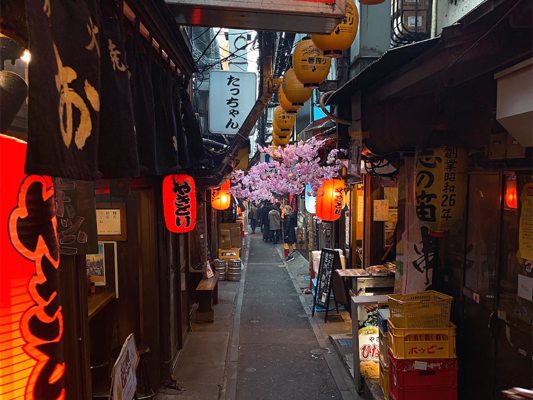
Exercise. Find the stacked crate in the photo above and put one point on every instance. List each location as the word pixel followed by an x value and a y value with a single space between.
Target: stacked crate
pixel 383 316
pixel 422 362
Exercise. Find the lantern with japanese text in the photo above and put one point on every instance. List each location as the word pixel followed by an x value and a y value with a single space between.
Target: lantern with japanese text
pixel 285 103
pixel 179 203
pixel 342 36
pixel 294 90
pixel 32 364
pixel 441 180
pixel 310 65
pixel 283 120
pixel 511 193
pixel 221 196
pixel 310 200
pixel 330 200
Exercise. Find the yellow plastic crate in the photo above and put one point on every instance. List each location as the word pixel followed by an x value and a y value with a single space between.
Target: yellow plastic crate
pixel 422 343
pixel 384 348
pixel 384 380
pixel 429 309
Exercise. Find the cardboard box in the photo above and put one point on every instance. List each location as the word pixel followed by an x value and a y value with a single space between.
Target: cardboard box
pixel 229 254
pixel 224 239
pixel 235 233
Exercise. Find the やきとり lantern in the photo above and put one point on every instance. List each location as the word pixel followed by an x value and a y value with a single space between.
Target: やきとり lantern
pixel 221 197
pixel 294 90
pixel 179 203
pixel 441 180
pixel 342 36
pixel 330 200
pixel 310 65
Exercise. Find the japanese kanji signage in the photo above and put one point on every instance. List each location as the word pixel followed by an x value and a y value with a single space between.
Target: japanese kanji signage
pixel 231 97
pixel 179 203
pixel 441 178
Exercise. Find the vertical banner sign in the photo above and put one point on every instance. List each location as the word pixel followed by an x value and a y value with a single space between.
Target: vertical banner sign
pixel 525 240
pixel 231 97
pixel 31 320
pixel 441 179
pixel 179 203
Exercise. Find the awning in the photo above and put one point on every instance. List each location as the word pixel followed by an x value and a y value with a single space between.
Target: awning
pixel 386 64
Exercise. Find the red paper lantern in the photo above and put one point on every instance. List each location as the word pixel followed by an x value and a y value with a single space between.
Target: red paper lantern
pixel 31 322
pixel 221 197
pixel 330 200
pixel 179 203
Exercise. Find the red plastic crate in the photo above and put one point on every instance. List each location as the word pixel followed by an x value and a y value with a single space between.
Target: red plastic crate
pixel 424 393
pixel 409 373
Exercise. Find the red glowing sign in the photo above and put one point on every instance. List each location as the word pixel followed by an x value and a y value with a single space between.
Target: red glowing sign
pixel 179 203
pixel 31 320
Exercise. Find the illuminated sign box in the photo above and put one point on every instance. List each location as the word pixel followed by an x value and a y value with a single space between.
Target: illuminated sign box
pixel 311 16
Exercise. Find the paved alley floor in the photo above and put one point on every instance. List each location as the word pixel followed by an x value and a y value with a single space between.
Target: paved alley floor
pixel 264 344
pixel 279 354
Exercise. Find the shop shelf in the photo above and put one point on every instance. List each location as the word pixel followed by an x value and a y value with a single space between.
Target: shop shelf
pixel 422 343
pixel 428 309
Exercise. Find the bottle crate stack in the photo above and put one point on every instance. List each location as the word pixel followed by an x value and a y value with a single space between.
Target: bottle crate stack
pixel 383 316
pixel 421 348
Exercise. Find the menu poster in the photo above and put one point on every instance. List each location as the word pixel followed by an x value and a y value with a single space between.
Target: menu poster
pixel 525 239
pixel 381 210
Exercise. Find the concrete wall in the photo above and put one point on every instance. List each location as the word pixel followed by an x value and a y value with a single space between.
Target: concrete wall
pixel 449 11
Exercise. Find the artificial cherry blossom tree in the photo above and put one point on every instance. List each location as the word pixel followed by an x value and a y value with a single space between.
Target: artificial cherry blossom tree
pixel 290 168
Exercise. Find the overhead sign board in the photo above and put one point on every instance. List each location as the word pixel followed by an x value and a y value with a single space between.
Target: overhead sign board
pixel 311 16
pixel 231 97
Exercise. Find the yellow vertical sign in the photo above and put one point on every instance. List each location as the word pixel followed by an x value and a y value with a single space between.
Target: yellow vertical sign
pixel 525 234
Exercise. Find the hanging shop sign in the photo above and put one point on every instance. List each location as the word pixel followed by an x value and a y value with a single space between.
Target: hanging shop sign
pixel 31 346
pixel 310 200
pixel 342 36
pixel 294 90
pixel 275 15
pixel 231 97
pixel 330 200
pixel 221 196
pixel 309 63
pixel 441 179
pixel 525 238
pixel 179 203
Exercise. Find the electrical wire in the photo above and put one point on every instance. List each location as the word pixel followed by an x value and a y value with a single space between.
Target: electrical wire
pixel 230 56
pixel 338 120
pixel 208 46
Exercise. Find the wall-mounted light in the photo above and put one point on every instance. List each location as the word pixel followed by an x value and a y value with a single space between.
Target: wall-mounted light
pixel 511 194
pixel 26 56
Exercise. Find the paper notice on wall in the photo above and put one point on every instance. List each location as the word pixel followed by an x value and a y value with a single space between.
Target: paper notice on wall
pixel 360 207
pixel 381 210
pixel 525 287
pixel 525 238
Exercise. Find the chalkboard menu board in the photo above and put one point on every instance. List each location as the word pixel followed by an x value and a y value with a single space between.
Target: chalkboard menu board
pixel 329 261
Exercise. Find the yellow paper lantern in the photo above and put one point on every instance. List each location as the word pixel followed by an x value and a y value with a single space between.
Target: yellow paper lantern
pixel 441 180
pixel 294 90
pixel 342 36
pixel 221 197
pixel 283 120
pixel 309 63
pixel 285 103
pixel 279 139
pixel 330 200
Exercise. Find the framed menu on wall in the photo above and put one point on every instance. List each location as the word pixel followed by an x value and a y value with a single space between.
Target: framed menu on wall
pixel 111 221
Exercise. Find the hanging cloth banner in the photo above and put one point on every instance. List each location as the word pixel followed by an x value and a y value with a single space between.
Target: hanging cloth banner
pixel 117 146
pixel 31 328
pixel 179 203
pixel 64 94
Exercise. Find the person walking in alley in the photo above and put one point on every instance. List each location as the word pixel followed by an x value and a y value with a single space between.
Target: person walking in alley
pixel 254 216
pixel 289 230
pixel 265 209
pixel 274 222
